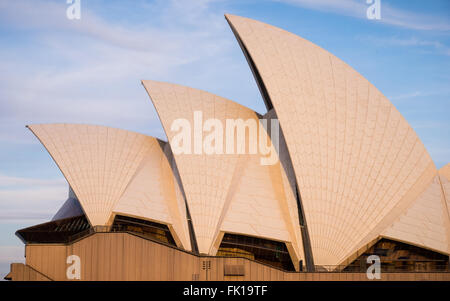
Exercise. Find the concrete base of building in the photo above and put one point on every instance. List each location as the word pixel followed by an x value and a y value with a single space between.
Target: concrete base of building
pixel 125 256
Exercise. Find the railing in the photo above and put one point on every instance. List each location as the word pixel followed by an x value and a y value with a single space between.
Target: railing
pixel 121 228
pixel 67 238
pixel 79 235
pixel 392 267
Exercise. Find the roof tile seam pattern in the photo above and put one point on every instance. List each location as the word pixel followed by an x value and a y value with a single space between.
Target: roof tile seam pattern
pixel 311 94
pixel 100 171
pixel 165 96
pixel 197 206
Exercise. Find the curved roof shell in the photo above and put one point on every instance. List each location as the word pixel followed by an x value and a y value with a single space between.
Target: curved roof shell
pixel 113 171
pixel 444 175
pixel 356 159
pixel 227 192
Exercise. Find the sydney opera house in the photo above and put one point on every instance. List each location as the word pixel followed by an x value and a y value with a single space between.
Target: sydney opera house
pixel 352 179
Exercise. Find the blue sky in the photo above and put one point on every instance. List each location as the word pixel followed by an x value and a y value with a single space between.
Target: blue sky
pixel 88 71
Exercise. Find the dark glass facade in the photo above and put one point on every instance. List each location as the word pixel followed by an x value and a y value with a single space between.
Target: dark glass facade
pixel 59 231
pixel 70 229
pixel 266 251
pixel 401 257
pixel 146 229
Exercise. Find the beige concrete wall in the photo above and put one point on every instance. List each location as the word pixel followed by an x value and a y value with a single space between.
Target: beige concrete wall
pixel 121 256
pixel 22 272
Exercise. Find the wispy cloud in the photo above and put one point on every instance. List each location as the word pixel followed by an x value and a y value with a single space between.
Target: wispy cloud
pixel 415 43
pixel 89 71
pixel 344 7
pixel 8 181
pixel 101 62
pixel 406 19
pixel 389 14
pixel 27 200
pixel 407 95
pixel 10 254
pixel 415 94
pixel 432 124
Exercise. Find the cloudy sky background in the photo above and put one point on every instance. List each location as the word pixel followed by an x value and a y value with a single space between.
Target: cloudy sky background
pixel 88 71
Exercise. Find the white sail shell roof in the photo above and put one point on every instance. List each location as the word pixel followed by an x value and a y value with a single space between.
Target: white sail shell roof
pixel 356 159
pixel 227 192
pixel 113 171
